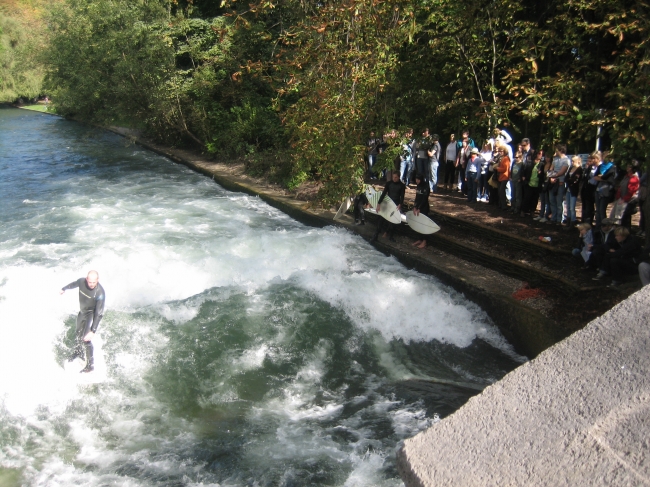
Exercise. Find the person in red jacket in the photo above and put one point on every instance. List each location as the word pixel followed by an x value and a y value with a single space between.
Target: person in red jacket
pixel 627 190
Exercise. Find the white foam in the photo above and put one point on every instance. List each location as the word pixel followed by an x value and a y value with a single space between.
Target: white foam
pixel 159 245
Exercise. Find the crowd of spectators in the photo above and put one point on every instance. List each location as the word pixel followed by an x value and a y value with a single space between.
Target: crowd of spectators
pixel 545 188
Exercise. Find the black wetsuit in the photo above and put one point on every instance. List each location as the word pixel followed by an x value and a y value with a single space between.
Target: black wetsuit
pixel 91 305
pixel 395 191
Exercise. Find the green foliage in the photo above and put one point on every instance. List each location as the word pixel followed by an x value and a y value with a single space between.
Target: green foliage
pixel 294 88
pixel 108 59
pixel 21 44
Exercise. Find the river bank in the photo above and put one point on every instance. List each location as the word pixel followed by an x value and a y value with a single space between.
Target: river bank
pixel 533 307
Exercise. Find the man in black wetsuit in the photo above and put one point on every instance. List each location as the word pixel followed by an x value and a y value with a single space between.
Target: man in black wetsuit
pixel 91 304
pixel 395 190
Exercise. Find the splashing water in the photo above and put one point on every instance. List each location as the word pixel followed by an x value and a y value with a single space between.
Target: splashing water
pixel 239 347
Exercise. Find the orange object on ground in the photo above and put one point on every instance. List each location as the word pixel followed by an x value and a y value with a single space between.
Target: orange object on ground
pixel 527 292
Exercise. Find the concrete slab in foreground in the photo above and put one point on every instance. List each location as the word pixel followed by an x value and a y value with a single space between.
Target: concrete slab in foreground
pixel 578 414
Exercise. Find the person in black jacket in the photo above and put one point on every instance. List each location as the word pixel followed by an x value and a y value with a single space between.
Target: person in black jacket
pixel 604 180
pixel 588 188
pixel 421 204
pixel 604 241
pixel 395 190
pixel 572 180
pixel 360 202
pixel 622 261
pixel 91 303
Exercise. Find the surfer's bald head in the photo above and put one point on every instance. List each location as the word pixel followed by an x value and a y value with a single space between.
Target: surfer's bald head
pixel 92 279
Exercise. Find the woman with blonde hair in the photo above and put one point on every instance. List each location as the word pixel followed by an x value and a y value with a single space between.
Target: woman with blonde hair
pixel 572 181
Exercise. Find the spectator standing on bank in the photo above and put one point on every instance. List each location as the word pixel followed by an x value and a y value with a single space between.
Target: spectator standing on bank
pixel 572 181
pixel 450 162
pixel 545 197
pixel 557 176
pixel 483 186
pixel 588 190
pixel 532 186
pixel 461 164
pixel 422 147
pixel 528 161
pixel 515 180
pixel 493 177
pixel 626 192
pixel 374 148
pixel 406 157
pixel 503 170
pixel 502 137
pixel 472 174
pixel 604 179
pixel 434 161
pixel 466 136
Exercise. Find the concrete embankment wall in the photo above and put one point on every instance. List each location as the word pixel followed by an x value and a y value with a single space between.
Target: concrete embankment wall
pixel 578 414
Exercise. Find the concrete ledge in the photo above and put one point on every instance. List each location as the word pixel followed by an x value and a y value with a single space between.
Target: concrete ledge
pixel 578 414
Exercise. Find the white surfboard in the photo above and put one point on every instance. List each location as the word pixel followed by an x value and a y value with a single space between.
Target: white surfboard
pixel 387 209
pixel 373 196
pixel 345 206
pixel 421 223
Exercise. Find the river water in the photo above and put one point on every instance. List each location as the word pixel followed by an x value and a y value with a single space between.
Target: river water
pixel 239 347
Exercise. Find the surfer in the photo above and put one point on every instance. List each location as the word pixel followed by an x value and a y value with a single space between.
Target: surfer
pixel 421 204
pixel 395 190
pixel 91 304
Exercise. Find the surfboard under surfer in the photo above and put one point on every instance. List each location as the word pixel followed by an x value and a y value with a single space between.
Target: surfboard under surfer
pixel 91 303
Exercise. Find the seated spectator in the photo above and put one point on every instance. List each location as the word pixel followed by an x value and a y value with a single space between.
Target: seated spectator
pixel 604 241
pixel 421 204
pixel 621 261
pixel 583 250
